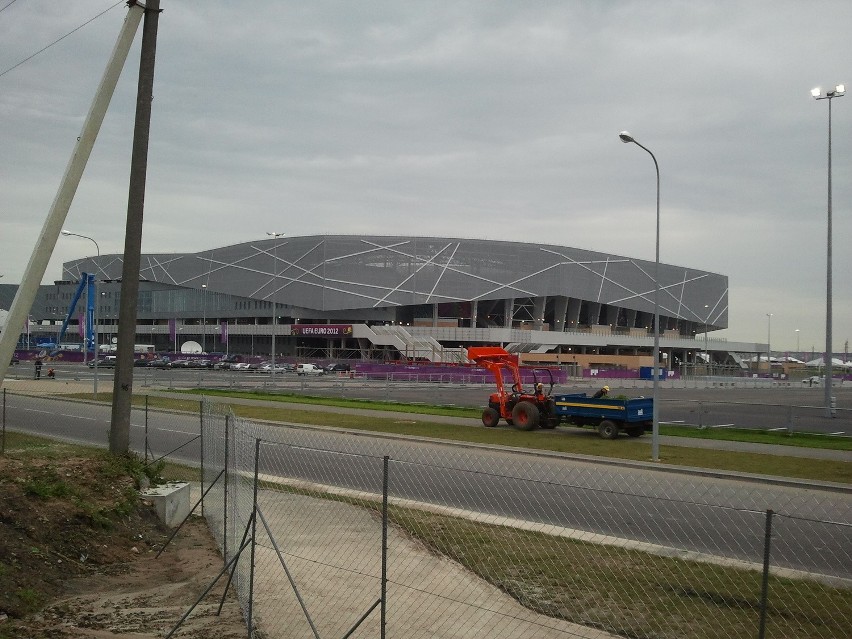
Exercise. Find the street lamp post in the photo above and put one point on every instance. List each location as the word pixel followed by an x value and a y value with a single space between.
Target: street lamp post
pixel 204 318
pixel 94 314
pixel 769 343
pixel 798 352
pixel 655 432
pixel 274 235
pixel 706 352
pixel 838 92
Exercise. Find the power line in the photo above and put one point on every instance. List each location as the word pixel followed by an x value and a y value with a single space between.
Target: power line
pixel 11 2
pixel 58 40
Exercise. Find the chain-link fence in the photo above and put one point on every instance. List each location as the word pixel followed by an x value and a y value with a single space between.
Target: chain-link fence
pixel 336 534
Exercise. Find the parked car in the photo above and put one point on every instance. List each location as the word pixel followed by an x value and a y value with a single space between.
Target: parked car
pixel 279 368
pixel 200 363
pixel 813 380
pixel 104 362
pixel 140 362
pixel 338 367
pixel 309 369
pixel 180 363
pixel 162 362
pixel 227 362
pixel 239 366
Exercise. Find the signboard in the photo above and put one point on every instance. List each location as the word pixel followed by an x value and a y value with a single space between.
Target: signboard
pixel 322 330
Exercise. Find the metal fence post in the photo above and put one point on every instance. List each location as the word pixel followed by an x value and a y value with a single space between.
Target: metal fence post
pixel 3 436
pixel 146 429
pixel 384 545
pixel 700 415
pixel 225 505
pixel 764 595
pixel 253 535
pixel 201 447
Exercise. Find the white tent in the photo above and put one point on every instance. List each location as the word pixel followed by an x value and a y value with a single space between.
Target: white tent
pixel 836 363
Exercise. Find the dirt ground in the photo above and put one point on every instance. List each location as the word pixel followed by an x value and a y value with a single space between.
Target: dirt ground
pixel 78 558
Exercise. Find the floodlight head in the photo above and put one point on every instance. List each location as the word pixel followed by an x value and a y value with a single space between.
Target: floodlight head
pixel 626 137
pixel 840 89
pixel 816 92
pixel 64 232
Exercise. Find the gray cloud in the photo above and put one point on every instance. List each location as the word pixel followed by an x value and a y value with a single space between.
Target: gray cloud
pixel 477 119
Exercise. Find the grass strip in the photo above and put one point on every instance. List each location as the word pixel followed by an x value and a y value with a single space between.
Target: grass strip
pixel 756 436
pixel 562 440
pixel 627 592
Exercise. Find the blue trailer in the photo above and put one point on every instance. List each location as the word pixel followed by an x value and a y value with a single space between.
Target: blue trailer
pixel 609 416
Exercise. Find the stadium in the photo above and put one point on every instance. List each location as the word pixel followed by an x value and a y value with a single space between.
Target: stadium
pixel 396 298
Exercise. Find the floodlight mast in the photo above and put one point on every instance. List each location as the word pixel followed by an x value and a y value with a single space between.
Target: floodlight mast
pixel 838 92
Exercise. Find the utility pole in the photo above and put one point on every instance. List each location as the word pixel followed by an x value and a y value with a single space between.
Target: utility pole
pixel 122 394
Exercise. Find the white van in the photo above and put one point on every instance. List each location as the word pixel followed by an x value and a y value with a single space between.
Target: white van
pixel 309 369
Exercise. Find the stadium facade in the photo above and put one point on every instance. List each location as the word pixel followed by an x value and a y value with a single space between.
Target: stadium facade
pixel 397 297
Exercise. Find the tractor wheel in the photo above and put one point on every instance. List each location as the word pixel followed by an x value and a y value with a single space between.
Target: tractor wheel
pixel 608 429
pixel 490 417
pixel 636 431
pixel 525 416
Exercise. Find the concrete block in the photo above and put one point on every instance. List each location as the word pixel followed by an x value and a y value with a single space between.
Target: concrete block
pixel 171 501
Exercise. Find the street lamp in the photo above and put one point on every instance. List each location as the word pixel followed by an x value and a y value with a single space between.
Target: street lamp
pixel 655 432
pixel 94 314
pixel 798 352
pixel 769 343
pixel 204 318
pixel 838 92
pixel 274 235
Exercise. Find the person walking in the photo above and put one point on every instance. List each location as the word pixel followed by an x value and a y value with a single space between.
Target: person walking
pixel 38 365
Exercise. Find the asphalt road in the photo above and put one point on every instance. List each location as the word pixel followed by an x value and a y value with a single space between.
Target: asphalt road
pixel 709 404
pixel 748 404
pixel 715 516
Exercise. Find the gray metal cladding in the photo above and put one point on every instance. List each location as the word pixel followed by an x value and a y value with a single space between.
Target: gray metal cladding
pixel 339 272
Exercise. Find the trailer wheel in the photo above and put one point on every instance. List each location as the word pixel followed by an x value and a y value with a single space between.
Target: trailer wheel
pixel 490 417
pixel 608 429
pixel 549 423
pixel 636 431
pixel 525 416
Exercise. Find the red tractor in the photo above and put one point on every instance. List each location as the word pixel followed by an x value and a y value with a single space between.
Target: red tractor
pixel 526 410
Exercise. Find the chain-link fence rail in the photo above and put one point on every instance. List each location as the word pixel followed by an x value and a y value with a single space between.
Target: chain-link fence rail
pixel 793 418
pixel 335 534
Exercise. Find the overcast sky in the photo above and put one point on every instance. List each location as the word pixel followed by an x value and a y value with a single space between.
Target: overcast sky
pixel 485 119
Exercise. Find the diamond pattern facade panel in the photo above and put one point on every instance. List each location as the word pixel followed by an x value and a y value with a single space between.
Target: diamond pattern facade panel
pixel 333 273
